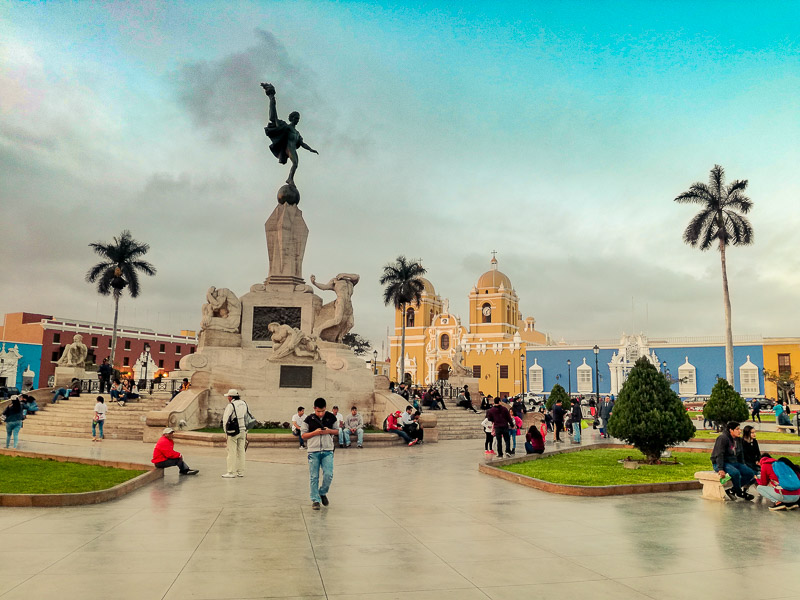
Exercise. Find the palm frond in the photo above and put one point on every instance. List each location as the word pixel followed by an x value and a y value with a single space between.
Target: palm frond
pixel 697 226
pixel 698 193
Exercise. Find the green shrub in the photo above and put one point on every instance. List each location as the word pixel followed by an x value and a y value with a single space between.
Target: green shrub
pixel 558 394
pixel 648 414
pixel 725 404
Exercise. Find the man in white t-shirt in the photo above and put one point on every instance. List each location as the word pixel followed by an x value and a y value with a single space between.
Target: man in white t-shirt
pixel 339 424
pixel 99 419
pixel 297 423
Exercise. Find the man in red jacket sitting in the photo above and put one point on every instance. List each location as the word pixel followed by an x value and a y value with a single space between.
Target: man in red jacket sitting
pixel 164 454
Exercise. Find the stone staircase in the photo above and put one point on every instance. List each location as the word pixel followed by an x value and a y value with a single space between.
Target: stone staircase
pixel 459 424
pixel 73 418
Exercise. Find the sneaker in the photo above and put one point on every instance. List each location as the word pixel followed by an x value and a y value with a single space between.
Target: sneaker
pixel 499 456
pixel 412 442
pixel 324 499
pixel 512 452
pixel 731 494
pixel 745 496
pixel 341 445
pixel 240 474
pixel 490 452
pixel 190 472
pixel 359 446
pixel 229 475
pixel 778 506
pixel 487 452
pixel 791 506
pixel 315 506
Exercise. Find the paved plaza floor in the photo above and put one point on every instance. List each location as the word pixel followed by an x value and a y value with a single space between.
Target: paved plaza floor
pixel 404 523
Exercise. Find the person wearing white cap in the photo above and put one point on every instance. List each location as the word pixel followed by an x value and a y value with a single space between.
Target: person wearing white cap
pixel 165 455
pixel 237 408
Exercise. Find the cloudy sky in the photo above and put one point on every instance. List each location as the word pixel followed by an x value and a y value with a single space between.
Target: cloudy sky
pixel 557 133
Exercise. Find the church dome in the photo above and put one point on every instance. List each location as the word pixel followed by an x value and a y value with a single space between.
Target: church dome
pixel 428 286
pixel 493 278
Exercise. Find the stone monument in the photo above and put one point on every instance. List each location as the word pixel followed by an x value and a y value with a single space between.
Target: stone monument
pixel 278 344
pixel 72 364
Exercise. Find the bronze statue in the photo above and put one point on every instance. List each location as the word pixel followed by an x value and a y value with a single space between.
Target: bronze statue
pixel 285 137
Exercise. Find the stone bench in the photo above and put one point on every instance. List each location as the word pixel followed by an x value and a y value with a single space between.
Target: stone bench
pixel 785 428
pixel 712 488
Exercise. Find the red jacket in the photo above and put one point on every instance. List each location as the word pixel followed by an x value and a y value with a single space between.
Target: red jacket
pixel 768 477
pixel 391 422
pixel 165 448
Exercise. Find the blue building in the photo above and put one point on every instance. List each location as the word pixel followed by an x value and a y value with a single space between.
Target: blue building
pixel 693 364
pixel 17 358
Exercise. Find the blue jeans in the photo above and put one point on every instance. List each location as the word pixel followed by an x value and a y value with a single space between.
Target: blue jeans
pixel 12 428
pixel 316 460
pixel 402 434
pixel 296 432
pixel 344 437
pixel 740 474
pixel 63 392
pixel 770 493
pixel 98 425
pixel 576 433
pixel 513 434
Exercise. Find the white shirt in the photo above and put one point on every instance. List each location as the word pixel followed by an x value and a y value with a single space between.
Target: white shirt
pixel 406 418
pixel 100 408
pixel 340 418
pixel 297 421
pixel 241 411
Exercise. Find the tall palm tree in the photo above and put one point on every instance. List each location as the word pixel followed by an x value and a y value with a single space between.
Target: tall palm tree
pixel 119 268
pixel 719 222
pixel 403 287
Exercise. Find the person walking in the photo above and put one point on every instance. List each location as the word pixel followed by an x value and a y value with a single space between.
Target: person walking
pixel 488 429
pixel 604 412
pixel 318 429
pixel 558 420
pixel 235 411
pixel 165 455
pixel 104 372
pixel 756 410
pixel 13 415
pixel 100 410
pixel 577 417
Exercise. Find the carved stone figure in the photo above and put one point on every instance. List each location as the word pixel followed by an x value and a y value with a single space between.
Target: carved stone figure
pixel 459 368
pixel 335 319
pixel 222 311
pixel 289 341
pixel 74 353
pixel 285 137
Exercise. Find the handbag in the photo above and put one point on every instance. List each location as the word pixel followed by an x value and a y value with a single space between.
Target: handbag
pixel 249 420
pixel 232 426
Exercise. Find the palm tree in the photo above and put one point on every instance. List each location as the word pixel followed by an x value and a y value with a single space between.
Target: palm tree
pixel 720 222
pixel 403 287
pixel 119 268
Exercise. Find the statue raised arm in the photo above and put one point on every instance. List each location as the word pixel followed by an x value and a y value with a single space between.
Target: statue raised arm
pixel 284 136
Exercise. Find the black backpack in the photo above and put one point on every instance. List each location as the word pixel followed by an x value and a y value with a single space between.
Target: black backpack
pixel 232 426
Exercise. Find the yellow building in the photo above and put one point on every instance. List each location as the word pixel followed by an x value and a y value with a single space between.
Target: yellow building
pixel 492 345
pixel 781 356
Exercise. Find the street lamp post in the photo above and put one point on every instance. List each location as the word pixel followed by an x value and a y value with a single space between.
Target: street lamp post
pixel 374 362
pixel 146 360
pixel 596 350
pixel 664 367
pixel 497 378
pixel 522 373
pixel 569 377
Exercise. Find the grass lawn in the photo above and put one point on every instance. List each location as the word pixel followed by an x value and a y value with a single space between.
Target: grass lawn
pixel 275 430
pixel 762 436
pixel 600 467
pixel 22 475
pixel 767 417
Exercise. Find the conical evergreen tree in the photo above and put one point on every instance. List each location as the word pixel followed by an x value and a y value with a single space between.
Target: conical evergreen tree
pixel 725 404
pixel 557 394
pixel 648 414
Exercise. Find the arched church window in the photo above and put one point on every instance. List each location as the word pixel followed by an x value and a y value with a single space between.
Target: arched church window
pixel 444 341
pixel 410 317
pixel 486 312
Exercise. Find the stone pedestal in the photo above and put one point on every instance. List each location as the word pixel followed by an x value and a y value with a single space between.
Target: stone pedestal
pixel 280 303
pixel 65 375
pixel 458 381
pixel 215 337
pixel 287 234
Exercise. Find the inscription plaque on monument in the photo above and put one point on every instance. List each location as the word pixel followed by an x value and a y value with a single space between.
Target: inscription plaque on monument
pixel 264 315
pixel 294 376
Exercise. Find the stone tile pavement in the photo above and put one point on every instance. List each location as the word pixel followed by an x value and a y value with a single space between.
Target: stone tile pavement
pixel 403 523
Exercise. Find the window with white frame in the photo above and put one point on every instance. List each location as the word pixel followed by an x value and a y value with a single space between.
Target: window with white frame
pixel 687 375
pixel 748 379
pixel 584 378
pixel 536 377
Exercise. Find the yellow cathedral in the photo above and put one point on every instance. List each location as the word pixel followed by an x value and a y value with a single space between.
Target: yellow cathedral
pixel 492 344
